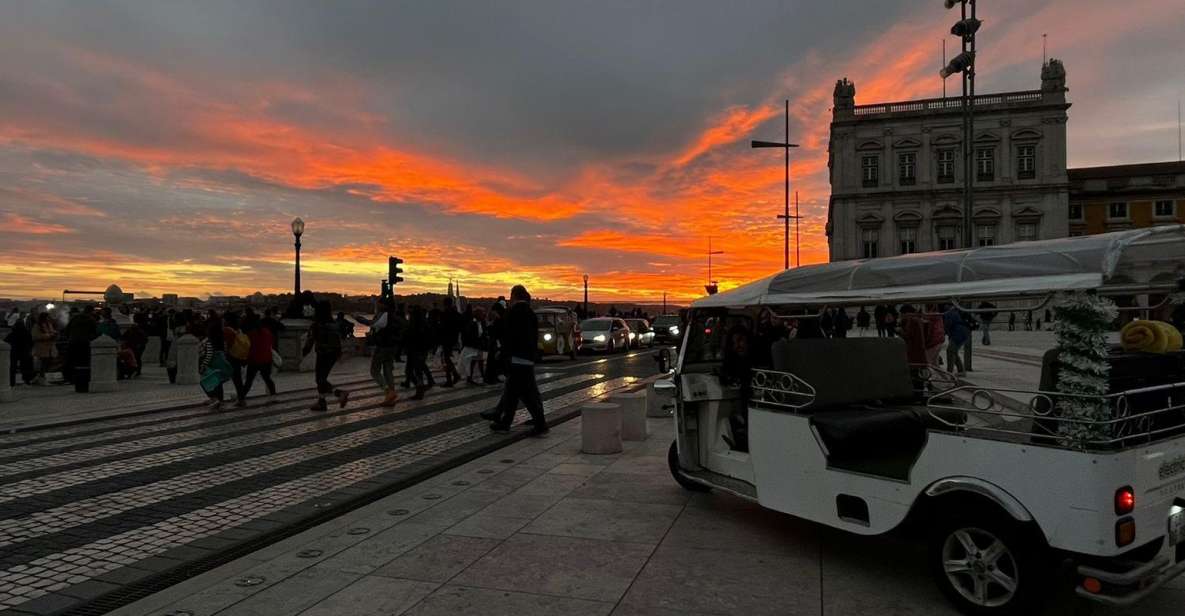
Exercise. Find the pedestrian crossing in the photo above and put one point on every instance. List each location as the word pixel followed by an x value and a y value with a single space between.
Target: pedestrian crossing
pixel 102 500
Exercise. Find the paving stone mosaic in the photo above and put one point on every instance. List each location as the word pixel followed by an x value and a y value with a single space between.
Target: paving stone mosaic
pixel 81 506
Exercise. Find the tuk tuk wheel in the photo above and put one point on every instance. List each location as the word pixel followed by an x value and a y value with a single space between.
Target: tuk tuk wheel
pixel 985 564
pixel 673 463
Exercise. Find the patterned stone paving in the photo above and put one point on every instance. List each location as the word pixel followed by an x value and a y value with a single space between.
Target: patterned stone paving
pixel 87 507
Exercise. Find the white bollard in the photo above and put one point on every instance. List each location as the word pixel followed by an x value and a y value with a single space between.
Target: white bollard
pixel 187 360
pixel 600 428
pixel 292 345
pixel 152 351
pixel 103 367
pixel 633 414
pixel 658 404
pixel 5 366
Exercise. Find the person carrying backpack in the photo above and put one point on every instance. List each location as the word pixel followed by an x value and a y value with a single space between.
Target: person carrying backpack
pixel 238 347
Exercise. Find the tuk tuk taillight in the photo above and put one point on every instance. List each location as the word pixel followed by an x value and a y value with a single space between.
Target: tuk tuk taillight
pixel 1125 500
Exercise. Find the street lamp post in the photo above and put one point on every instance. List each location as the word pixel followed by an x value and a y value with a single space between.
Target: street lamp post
pixel 964 63
pixel 785 216
pixel 586 296
pixel 297 231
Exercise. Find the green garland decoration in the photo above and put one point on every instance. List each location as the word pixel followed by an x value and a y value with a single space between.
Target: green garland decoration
pixel 1082 321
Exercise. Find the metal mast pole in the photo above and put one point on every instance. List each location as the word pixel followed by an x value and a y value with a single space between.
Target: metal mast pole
pixel 786 242
pixel 968 130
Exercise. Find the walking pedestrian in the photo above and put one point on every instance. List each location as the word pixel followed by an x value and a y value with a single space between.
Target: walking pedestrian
pixel 842 322
pixel 108 325
pixel 986 319
pixel 522 340
pixel 20 352
pixel 238 348
pixel 473 344
pixel 259 357
pixel 164 329
pixel 182 324
pixel 1011 321
pixel 958 332
pixel 81 329
pixel 212 364
pixel 863 319
pixel 325 338
pixel 271 320
pixel 45 347
pixel 386 332
pixel 136 340
pixel 449 333
pixel 827 322
pixel 879 312
pixel 495 332
pixel 417 341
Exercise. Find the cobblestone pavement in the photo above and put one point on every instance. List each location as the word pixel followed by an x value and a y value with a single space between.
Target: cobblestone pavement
pixel 539 528
pixel 95 514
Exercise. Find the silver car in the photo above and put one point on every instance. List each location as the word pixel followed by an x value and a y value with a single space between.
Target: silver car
pixel 606 334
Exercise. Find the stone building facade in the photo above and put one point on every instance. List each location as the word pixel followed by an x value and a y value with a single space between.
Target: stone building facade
pixel 1120 197
pixel 897 170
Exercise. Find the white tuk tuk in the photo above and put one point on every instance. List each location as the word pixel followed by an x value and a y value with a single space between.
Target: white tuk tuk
pixel 1015 500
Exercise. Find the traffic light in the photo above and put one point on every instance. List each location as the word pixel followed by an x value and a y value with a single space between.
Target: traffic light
pixel 394 271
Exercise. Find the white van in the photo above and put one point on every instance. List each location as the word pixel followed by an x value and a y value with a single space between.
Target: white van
pixel 846 433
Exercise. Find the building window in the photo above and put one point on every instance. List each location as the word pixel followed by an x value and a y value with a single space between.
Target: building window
pixel 909 240
pixel 986 235
pixel 985 164
pixel 1026 162
pixel 907 168
pixel 870 237
pixel 1026 232
pixel 947 237
pixel 1075 211
pixel 946 166
pixel 1117 211
pixel 1165 209
pixel 872 170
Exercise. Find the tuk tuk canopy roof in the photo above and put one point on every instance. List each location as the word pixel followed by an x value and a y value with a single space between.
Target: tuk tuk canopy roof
pixel 1152 258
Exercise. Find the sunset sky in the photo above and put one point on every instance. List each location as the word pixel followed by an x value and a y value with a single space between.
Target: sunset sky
pixel 165 146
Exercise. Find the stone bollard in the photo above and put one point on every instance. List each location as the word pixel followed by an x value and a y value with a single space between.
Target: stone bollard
pixel 600 428
pixel 657 403
pixel 152 351
pixel 103 367
pixel 187 360
pixel 633 414
pixel 291 345
pixel 5 367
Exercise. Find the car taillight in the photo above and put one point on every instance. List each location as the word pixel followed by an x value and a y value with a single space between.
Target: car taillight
pixel 1125 532
pixel 1125 500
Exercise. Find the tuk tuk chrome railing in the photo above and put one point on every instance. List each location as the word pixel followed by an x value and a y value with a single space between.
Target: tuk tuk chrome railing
pixel 1127 421
pixel 780 390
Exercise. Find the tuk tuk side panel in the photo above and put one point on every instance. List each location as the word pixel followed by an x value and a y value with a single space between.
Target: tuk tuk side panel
pixel 1069 494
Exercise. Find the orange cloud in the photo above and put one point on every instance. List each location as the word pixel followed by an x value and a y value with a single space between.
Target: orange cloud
pixel 15 223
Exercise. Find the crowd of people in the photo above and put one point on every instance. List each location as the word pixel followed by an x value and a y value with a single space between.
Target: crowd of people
pixel 478 345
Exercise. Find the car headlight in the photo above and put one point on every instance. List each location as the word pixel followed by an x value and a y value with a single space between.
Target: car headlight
pixel 675 330
pixel 547 337
pixel 599 338
pixel 632 335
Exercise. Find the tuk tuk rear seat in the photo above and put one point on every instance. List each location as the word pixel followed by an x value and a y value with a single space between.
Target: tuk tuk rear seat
pixel 863 398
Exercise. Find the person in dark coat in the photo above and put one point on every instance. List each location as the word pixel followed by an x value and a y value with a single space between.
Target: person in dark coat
pixel 20 353
pixel 448 337
pixel 495 333
pixel 521 345
pixel 81 329
pixel 417 341
pixel 986 319
pixel 325 337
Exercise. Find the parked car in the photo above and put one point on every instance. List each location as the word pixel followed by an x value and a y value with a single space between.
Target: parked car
pixel 606 334
pixel 1070 493
pixel 668 329
pixel 641 334
pixel 559 331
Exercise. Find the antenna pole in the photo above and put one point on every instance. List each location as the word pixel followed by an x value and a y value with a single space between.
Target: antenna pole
pixel 797 233
pixel 1044 55
pixel 943 66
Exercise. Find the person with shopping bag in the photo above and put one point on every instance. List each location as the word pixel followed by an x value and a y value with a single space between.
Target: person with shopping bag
pixel 212 364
